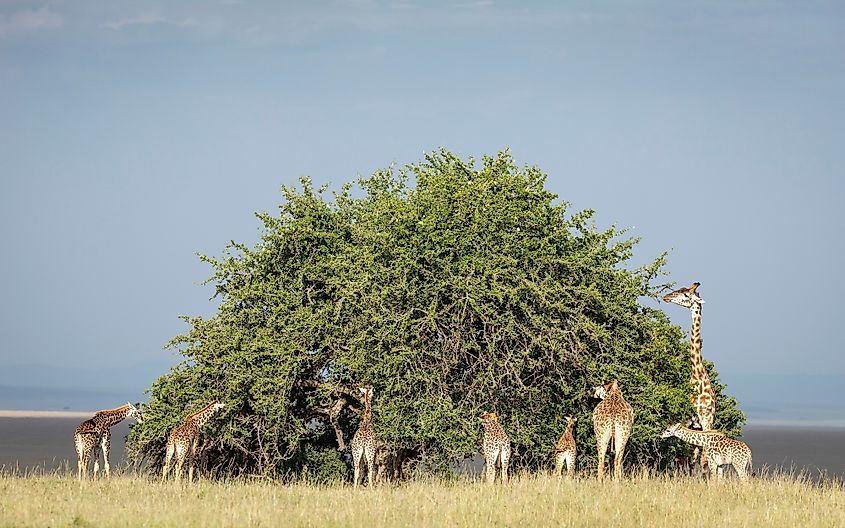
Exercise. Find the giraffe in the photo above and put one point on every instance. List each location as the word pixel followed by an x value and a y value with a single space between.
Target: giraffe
pixel 720 449
pixel 183 441
pixel 496 447
pixel 565 449
pixel 685 464
pixel 365 445
pixel 94 435
pixel 704 397
pixel 613 418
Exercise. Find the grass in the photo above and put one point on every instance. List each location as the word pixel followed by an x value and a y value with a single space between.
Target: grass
pixel 527 501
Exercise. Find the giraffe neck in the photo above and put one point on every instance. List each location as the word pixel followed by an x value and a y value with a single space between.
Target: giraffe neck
pixel 111 417
pixel 491 427
pixel 368 409
pixel 199 418
pixel 569 428
pixel 699 373
pixel 699 438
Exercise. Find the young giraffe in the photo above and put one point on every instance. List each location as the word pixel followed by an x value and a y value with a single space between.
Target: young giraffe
pixel 720 449
pixel 94 435
pixel 613 418
pixel 704 397
pixel 183 441
pixel 496 447
pixel 365 444
pixel 565 449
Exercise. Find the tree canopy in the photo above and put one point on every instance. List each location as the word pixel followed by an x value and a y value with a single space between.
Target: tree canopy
pixel 451 286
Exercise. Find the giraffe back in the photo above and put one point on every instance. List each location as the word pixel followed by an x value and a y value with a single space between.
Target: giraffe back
pixel 613 410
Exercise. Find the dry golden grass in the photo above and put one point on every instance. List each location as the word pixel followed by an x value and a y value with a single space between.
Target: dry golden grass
pixel 526 501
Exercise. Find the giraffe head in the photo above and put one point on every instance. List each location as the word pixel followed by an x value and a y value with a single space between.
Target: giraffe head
pixel 602 391
pixel 217 406
pixel 671 430
pixel 685 297
pixel 489 417
pixel 570 421
pixel 134 411
pixel 367 392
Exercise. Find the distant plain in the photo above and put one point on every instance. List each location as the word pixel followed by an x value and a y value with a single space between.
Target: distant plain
pixel 47 443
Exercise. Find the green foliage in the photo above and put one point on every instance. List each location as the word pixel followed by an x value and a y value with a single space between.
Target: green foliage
pixel 472 290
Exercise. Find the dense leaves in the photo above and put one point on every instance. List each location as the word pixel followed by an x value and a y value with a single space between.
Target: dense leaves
pixel 453 287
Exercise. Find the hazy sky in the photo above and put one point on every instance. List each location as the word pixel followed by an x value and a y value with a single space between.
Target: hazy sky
pixel 134 134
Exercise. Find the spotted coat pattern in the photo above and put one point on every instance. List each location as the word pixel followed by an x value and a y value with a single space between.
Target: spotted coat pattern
pixel 720 449
pixel 365 445
pixel 94 436
pixel 183 440
pixel 565 449
pixel 496 447
pixel 704 397
pixel 613 418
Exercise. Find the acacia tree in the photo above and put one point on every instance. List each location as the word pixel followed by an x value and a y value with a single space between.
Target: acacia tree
pixel 471 289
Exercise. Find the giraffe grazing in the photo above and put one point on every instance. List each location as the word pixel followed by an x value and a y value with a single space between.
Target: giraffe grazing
pixel 720 449
pixel 704 397
pixel 565 449
pixel 496 447
pixel 365 445
pixel 183 441
pixel 613 418
pixel 94 435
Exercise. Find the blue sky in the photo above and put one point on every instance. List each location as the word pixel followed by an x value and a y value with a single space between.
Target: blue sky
pixel 134 134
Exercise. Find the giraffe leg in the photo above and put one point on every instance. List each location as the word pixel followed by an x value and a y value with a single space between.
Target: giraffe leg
pixel 105 442
pixel 505 460
pixel 714 469
pixel 181 451
pixel 559 458
pixel 601 446
pixel 81 460
pixel 570 464
pixel 490 465
pixel 619 441
pixel 96 451
pixel 357 459
pixel 370 455
pixel 740 470
pixel 171 448
pixel 86 459
pixel 191 454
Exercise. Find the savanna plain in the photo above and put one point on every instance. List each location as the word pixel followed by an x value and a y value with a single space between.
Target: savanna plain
pixel 537 500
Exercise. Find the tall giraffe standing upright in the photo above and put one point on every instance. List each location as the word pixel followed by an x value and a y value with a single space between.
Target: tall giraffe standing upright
pixel 720 449
pixel 94 435
pixel 183 441
pixel 365 444
pixel 704 397
pixel 613 418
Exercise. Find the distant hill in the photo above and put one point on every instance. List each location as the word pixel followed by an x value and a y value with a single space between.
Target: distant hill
pixel 43 387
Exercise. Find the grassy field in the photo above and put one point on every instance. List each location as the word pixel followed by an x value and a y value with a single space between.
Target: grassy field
pixel 527 501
